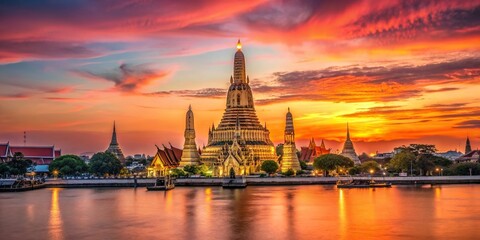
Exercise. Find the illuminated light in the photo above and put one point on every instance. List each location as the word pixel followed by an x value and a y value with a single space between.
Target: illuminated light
pixel 371 171
pixel 239 45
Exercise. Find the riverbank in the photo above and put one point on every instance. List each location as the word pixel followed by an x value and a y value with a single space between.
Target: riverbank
pixel 256 181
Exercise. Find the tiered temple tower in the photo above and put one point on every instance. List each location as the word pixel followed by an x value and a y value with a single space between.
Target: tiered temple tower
pixel 349 150
pixel 239 104
pixel 190 154
pixel 289 158
pixel 468 148
pixel 114 147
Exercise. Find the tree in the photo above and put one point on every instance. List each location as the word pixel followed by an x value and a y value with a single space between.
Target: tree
pixel 289 172
pixel 4 169
pixel 105 163
pixel 441 161
pixel 191 169
pixel 68 165
pixel 354 170
pixel 425 164
pixel 463 169
pixel 178 172
pixel 401 161
pixel 364 157
pixel 203 170
pixel 269 166
pixel 418 149
pixel 19 165
pixel 303 165
pixel 330 162
pixel 367 166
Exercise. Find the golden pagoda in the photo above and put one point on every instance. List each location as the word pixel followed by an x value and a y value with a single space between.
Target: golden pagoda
pixel 239 124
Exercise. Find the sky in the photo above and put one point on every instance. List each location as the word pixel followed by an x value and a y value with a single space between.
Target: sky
pixel 398 72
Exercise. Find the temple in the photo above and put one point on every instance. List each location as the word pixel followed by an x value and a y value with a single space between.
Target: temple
pixel 190 154
pixel 114 148
pixel 468 148
pixel 289 157
pixel 308 154
pixel 40 155
pixel 164 161
pixel 239 129
pixel 348 149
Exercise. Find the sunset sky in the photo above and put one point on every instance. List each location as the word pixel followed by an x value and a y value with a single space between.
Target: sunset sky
pixel 398 72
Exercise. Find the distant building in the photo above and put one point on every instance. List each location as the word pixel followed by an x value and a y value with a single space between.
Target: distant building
pixel 114 147
pixel 472 156
pixel 139 157
pixel 308 154
pixel 451 155
pixel 40 155
pixel 348 149
pixel 164 161
pixel 383 156
pixel 86 156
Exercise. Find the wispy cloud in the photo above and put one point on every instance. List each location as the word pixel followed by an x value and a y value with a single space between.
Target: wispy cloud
pixel 468 124
pixel 127 78
pixel 199 93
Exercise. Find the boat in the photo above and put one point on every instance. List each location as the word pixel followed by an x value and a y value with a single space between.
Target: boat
pixel 162 184
pixel 20 185
pixel 362 184
pixel 234 183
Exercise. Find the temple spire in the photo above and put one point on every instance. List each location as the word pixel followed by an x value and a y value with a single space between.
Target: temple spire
pixel 348 149
pixel 289 158
pixel 190 154
pixel 348 132
pixel 468 148
pixel 239 73
pixel 114 147
pixel 322 145
pixel 114 136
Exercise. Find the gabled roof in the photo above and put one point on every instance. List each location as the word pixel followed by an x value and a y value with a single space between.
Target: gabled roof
pixel 168 157
pixel 469 155
pixel 34 151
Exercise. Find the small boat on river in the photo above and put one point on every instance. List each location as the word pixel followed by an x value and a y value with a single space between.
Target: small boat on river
pixel 20 185
pixel 162 184
pixel 362 184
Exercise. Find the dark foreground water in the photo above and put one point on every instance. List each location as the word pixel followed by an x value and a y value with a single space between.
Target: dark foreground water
pixel 290 212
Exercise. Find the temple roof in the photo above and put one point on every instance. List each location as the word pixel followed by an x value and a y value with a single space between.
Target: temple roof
pixel 34 151
pixel 169 157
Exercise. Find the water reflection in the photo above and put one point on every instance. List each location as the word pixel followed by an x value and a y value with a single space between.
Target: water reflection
pixel 55 228
pixel 342 215
pixel 293 212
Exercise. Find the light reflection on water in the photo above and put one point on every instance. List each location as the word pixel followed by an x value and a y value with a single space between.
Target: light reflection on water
pixel 55 228
pixel 283 212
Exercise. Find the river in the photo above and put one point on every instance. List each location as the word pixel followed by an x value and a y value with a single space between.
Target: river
pixel 257 212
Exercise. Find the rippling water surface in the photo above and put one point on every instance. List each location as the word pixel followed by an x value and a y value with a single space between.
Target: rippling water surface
pixel 281 212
